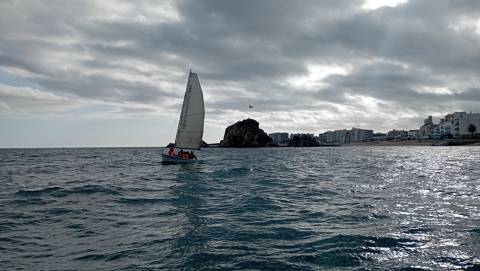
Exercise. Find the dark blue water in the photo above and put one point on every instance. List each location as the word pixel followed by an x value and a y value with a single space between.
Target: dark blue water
pixel 346 208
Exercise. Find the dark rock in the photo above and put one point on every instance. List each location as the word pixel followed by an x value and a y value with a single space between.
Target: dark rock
pixel 244 134
pixel 303 141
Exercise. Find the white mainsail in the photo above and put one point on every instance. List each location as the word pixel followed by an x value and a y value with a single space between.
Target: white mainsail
pixel 190 126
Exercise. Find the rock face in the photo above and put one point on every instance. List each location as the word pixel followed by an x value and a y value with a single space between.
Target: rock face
pixel 303 141
pixel 244 134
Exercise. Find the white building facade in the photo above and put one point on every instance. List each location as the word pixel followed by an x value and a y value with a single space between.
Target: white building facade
pixel 453 125
pixel 347 136
pixel 462 121
pixel 357 135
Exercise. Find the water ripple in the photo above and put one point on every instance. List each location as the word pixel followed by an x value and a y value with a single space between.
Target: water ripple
pixel 349 208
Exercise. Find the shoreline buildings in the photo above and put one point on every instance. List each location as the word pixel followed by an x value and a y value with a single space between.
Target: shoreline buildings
pixel 457 125
pixel 454 125
pixel 346 136
pixel 427 128
pixel 280 139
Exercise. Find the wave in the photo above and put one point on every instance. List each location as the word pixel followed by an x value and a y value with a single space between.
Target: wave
pixel 36 193
pixel 63 192
pixel 141 201
pixel 111 256
pixel 331 259
pixel 58 211
pixel 94 189
pixel 29 200
pixel 232 172
pixel 371 243
pixel 411 269
pixel 240 209
pixel 418 230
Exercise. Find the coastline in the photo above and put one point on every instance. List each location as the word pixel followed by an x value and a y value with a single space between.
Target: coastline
pixel 394 143
pixel 432 143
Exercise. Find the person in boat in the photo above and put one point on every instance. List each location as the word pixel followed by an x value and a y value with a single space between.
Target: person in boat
pixel 180 154
pixel 171 152
pixel 192 155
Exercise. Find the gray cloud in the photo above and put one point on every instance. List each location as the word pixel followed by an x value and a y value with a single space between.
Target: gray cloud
pixel 418 58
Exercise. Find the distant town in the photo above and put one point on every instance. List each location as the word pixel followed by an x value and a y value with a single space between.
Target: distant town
pixel 455 126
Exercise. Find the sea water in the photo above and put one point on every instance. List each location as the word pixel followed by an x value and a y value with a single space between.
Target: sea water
pixel 343 208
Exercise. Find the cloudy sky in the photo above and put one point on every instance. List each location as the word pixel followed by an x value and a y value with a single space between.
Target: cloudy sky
pixel 113 73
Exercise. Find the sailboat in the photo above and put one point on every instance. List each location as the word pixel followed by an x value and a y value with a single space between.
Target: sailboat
pixel 190 126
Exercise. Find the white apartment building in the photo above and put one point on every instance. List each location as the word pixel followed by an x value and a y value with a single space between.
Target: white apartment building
pixel 357 135
pixel 347 136
pixel 461 122
pixel 330 136
pixel 453 124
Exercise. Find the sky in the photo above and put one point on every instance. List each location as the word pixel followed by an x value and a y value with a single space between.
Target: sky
pixel 113 73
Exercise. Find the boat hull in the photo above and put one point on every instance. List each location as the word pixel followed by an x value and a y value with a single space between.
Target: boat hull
pixel 167 159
